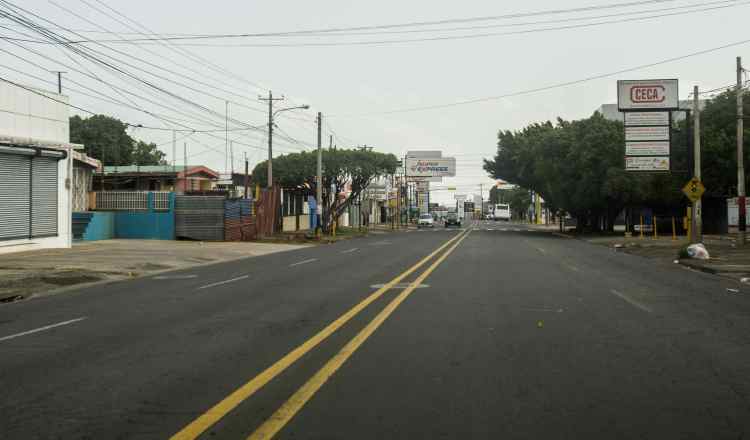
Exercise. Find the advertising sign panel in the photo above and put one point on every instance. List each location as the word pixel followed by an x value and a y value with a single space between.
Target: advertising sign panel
pixel 646 118
pixel 431 167
pixel 424 154
pixel 647 94
pixel 657 133
pixel 460 198
pixel 423 186
pixel 636 163
pixel 653 148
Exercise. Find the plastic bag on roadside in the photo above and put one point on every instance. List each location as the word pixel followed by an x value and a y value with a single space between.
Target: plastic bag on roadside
pixel 697 251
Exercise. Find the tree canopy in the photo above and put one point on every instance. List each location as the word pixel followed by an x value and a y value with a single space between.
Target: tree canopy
pixel 340 167
pixel 578 166
pixel 106 138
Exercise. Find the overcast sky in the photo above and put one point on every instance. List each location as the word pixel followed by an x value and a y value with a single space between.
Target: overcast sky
pixel 346 82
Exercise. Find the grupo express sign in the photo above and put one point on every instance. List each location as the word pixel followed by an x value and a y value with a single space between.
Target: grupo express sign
pixel 445 166
pixel 647 94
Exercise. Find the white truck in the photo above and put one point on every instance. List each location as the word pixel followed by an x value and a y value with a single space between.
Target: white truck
pixel 501 212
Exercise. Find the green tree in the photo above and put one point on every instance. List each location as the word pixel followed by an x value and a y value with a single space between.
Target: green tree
pixel 148 154
pixel 341 167
pixel 106 138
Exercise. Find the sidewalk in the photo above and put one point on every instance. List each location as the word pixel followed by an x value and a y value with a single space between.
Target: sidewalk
pixel 727 258
pixel 26 274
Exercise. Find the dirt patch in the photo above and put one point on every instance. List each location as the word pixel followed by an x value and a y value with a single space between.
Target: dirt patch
pixel 149 266
pixel 68 279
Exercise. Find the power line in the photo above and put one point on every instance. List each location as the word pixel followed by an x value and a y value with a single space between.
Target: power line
pixel 415 23
pixel 412 40
pixel 551 86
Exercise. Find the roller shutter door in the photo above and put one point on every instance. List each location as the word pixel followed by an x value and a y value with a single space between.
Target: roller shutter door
pixel 44 197
pixel 15 191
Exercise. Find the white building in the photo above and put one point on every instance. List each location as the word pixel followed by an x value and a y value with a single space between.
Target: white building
pixel 35 169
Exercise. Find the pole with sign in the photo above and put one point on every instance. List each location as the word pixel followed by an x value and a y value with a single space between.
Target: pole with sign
pixel 696 230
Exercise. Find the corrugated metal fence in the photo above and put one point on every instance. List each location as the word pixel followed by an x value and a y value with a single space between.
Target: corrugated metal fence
pixel 199 217
pixel 239 223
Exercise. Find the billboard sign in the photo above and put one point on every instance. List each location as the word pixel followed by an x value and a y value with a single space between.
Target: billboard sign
pixel 655 133
pixel 460 197
pixel 652 163
pixel 646 118
pixel 431 167
pixel 424 154
pixel 648 94
pixel 654 148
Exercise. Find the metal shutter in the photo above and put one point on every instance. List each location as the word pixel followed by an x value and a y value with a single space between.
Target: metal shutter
pixel 14 196
pixel 44 197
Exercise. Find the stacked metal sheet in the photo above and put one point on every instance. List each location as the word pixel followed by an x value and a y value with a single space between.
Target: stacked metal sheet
pixel 199 217
pixel 239 225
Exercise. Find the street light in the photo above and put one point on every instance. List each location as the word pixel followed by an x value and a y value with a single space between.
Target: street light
pixel 271 115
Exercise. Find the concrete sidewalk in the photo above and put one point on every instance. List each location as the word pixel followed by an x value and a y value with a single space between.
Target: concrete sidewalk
pixel 26 274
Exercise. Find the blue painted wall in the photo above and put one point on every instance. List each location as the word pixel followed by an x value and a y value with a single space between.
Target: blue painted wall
pixel 101 226
pixel 147 224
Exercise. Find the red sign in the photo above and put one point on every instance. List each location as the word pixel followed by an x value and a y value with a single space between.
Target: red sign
pixel 643 94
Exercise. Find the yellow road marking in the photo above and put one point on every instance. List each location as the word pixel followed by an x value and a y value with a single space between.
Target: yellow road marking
pixel 218 411
pixel 290 408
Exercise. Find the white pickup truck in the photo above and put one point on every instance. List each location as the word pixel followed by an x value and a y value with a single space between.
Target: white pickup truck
pixel 501 212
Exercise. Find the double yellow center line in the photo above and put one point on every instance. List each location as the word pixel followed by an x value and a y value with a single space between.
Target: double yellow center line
pixel 285 413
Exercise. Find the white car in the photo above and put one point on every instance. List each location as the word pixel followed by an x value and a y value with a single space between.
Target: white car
pixel 426 221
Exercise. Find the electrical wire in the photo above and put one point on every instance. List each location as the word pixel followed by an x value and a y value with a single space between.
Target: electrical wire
pixel 414 40
pixel 548 87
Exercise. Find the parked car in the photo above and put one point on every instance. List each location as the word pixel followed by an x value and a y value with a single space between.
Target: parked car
pixel 452 219
pixel 426 221
pixel 488 216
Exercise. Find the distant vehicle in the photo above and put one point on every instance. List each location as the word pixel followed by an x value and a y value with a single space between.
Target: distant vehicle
pixel 426 221
pixel 452 219
pixel 488 216
pixel 502 212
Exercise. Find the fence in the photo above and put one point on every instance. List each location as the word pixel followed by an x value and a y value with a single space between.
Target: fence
pixel 121 200
pixel 239 224
pixel 133 214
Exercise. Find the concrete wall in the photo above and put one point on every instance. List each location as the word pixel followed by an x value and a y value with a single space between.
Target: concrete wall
pixel 149 224
pixel 101 227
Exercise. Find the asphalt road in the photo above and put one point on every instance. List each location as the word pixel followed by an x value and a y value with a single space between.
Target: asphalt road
pixel 504 332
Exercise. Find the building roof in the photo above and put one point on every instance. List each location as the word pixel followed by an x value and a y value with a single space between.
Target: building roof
pixel 178 171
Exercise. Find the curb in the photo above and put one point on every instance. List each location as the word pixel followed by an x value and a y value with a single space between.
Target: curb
pixel 125 277
pixel 700 267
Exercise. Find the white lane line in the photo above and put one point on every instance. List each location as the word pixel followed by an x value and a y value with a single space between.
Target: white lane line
pixel 303 262
pixel 224 282
pixel 41 329
pixel 631 301
pixel 349 251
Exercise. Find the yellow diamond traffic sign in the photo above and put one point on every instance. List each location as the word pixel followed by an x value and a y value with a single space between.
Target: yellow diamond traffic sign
pixel 694 189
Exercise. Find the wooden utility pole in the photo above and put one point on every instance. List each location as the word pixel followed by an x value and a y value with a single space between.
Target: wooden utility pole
pixel 319 179
pixel 270 99
pixel 742 220
pixel 696 232
pixel 247 176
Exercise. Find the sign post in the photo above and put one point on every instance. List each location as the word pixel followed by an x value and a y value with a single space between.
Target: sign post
pixel 647 106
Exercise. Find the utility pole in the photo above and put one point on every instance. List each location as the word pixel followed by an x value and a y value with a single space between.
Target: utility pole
pixel 697 227
pixel 174 149
pixel 226 135
pixel 319 179
pixel 247 177
pixel 231 156
pixel 742 220
pixel 330 141
pixel 59 80
pixel 184 170
pixel 481 201
pixel 270 100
